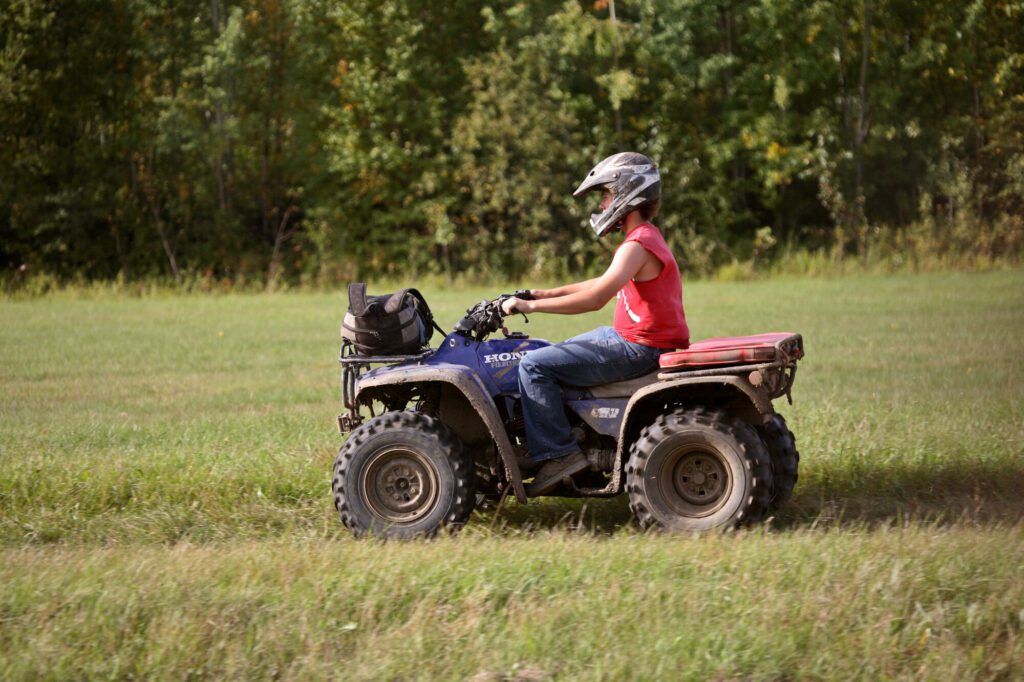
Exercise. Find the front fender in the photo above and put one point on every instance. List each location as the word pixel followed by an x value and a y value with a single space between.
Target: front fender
pixel 469 384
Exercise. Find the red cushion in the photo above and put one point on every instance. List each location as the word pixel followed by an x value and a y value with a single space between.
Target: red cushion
pixel 728 350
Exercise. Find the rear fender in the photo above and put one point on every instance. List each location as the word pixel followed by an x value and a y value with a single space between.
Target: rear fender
pixel 734 392
pixel 466 383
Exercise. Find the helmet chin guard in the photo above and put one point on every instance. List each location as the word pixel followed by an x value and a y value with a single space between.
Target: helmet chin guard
pixel 633 181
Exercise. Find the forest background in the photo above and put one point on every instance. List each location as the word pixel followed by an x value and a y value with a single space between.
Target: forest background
pixel 309 142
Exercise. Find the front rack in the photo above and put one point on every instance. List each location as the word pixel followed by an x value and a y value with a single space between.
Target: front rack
pixel 352 365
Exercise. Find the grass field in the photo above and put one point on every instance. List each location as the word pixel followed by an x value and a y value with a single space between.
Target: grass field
pixel 165 508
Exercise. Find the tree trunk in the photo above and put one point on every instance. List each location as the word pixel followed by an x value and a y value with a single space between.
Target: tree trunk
pixel 737 172
pixel 282 235
pixel 218 117
pixel 168 250
pixel 863 116
pixel 615 67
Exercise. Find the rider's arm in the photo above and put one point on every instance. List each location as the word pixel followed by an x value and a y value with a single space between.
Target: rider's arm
pixel 628 260
pixel 564 290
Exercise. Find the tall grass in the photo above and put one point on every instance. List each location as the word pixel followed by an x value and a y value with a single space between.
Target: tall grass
pixel 164 505
pixel 918 602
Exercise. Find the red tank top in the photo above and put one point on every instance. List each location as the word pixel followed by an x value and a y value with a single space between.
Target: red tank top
pixel 651 313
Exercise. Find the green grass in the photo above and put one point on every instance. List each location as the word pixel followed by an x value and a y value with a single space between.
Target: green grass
pixel 922 602
pixel 165 507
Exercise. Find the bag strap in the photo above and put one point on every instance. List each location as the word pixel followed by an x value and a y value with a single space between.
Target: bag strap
pixel 395 301
pixel 436 326
pixel 426 312
pixel 425 309
pixel 357 298
pixel 421 303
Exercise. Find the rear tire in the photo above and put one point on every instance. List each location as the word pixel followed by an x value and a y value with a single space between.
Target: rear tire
pixel 785 459
pixel 403 475
pixel 698 470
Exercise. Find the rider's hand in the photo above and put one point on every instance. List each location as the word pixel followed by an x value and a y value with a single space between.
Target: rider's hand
pixel 508 306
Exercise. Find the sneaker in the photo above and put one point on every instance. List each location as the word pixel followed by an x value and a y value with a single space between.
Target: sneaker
pixel 554 471
pixel 523 459
pixel 527 463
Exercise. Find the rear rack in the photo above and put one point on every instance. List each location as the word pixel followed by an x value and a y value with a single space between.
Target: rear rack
pixel 775 377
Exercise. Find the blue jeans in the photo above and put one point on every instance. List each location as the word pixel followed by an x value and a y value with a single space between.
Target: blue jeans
pixel 598 357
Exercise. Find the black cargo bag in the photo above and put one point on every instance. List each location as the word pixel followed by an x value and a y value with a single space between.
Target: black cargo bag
pixel 392 324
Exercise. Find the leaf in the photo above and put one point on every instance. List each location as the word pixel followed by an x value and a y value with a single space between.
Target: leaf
pixel 620 85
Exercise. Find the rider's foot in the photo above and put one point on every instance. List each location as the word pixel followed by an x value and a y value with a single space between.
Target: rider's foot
pixel 527 463
pixel 523 459
pixel 554 471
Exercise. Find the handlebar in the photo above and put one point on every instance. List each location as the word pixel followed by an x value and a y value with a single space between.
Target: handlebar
pixel 486 317
pixel 524 294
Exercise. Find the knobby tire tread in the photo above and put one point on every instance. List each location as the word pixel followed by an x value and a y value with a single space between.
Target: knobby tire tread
pixel 462 465
pixel 754 453
pixel 785 459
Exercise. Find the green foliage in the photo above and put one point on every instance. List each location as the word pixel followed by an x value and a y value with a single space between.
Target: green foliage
pixel 516 147
pixel 296 141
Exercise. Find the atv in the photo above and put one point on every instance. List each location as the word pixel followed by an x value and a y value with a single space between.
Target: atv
pixel 696 444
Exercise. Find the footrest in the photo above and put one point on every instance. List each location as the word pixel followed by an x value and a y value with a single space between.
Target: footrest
pixel 736 350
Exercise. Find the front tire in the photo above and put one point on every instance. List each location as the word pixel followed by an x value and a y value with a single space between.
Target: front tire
pixel 698 470
pixel 403 475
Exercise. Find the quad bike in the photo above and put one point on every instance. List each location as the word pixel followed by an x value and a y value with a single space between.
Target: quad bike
pixel 696 444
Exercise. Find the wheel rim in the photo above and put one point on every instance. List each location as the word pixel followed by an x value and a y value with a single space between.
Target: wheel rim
pixel 400 485
pixel 694 481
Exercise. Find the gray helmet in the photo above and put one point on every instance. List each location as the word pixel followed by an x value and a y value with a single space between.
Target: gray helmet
pixel 632 179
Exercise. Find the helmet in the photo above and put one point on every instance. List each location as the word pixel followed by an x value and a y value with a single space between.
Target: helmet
pixel 632 179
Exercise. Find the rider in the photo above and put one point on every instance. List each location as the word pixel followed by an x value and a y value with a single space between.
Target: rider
pixel 649 318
